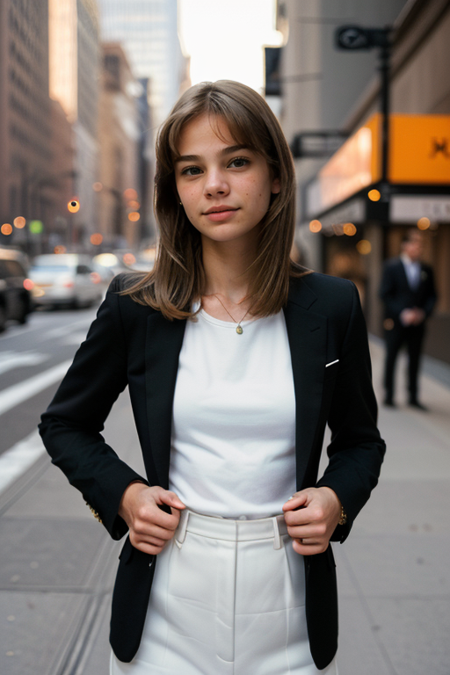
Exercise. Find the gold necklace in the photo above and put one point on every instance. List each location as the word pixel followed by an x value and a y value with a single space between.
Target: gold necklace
pixel 239 329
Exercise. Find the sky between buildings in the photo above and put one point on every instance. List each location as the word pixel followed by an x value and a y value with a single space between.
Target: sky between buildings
pixel 225 39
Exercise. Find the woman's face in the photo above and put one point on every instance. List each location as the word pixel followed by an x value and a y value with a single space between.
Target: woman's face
pixel 222 176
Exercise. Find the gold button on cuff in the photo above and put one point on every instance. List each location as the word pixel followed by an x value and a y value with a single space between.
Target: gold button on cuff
pixel 94 513
pixel 343 517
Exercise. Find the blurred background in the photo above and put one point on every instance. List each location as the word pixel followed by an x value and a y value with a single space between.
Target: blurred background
pixel 362 91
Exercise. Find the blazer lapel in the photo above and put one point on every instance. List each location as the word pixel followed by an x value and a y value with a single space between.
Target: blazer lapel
pixel 163 344
pixel 307 334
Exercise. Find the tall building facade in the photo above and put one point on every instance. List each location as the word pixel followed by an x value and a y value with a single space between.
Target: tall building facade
pixel 148 32
pixel 119 137
pixel 74 83
pixel 85 126
pixel 325 89
pixel 27 180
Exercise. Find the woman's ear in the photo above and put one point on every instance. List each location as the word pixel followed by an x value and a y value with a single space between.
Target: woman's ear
pixel 276 186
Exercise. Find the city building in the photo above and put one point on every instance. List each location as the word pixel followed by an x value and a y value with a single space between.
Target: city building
pixel 119 137
pixel 148 32
pixel 27 178
pixel 74 83
pixel 351 217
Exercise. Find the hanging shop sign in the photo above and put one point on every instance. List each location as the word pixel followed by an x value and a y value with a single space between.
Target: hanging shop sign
pixel 419 154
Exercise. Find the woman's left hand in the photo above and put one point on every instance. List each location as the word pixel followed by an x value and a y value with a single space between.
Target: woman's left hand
pixel 311 517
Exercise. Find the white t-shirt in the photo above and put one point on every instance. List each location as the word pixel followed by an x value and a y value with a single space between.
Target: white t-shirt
pixel 233 430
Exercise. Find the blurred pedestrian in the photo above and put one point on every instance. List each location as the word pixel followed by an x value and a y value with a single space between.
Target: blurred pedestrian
pixel 236 358
pixel 409 295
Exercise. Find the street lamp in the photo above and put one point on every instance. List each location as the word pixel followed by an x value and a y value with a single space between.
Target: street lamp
pixel 357 38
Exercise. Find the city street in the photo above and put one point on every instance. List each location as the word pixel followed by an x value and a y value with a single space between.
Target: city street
pixel 57 564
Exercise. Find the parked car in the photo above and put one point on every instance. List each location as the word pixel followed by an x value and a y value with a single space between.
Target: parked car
pixel 15 298
pixel 65 279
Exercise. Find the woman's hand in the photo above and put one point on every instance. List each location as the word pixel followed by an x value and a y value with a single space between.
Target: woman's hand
pixel 311 517
pixel 150 527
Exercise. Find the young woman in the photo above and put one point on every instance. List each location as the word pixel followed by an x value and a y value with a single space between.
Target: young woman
pixel 235 359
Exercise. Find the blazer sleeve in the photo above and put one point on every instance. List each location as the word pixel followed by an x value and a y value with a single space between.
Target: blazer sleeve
pixel 71 426
pixel 356 449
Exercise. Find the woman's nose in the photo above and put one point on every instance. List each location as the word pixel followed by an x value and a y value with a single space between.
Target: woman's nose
pixel 216 183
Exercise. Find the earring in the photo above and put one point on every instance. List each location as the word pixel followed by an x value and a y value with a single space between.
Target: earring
pixel 181 202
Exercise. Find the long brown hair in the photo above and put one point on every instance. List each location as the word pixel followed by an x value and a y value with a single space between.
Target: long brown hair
pixel 177 278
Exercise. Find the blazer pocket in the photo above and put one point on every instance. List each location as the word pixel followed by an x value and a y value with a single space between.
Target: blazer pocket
pixel 331 370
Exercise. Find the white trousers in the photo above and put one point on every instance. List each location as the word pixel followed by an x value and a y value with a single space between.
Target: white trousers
pixel 227 598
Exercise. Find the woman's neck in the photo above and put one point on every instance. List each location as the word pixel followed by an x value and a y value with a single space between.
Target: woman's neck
pixel 226 266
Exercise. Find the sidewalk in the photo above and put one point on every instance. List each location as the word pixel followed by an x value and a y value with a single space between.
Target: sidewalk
pixel 57 564
pixel 393 571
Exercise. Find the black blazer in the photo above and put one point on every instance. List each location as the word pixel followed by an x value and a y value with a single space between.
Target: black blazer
pixel 398 295
pixel 131 344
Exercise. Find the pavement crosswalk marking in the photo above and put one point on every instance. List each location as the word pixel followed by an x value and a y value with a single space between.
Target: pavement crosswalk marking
pixel 10 360
pixel 15 461
pixel 22 391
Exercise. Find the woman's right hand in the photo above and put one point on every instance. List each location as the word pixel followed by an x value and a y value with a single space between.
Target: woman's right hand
pixel 150 527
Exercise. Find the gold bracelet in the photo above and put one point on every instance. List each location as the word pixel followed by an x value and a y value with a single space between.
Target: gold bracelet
pixel 343 517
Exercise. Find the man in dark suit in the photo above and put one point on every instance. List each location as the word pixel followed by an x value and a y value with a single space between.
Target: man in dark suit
pixel 408 292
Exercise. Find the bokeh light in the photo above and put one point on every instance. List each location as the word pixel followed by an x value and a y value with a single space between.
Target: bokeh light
pixel 349 229
pixel 73 206
pixel 6 229
pixel 60 249
pixel 129 259
pixel 134 216
pixel 106 259
pixel 96 238
pixel 20 222
pixel 423 223
pixel 97 186
pixel 130 193
pixel 374 195
pixel 315 226
pixel 364 247
pixel 28 284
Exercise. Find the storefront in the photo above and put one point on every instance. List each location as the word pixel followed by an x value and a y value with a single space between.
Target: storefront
pixel 361 220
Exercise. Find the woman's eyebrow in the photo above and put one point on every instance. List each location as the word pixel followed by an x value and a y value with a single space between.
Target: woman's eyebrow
pixel 225 151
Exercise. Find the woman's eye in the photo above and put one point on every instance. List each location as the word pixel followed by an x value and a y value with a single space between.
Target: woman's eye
pixel 189 168
pixel 240 159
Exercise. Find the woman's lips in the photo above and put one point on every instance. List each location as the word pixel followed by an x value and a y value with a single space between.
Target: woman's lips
pixel 217 216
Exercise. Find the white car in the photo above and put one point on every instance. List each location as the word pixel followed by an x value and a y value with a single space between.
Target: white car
pixel 65 279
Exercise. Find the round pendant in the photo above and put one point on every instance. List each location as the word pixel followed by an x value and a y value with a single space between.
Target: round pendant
pixel 239 330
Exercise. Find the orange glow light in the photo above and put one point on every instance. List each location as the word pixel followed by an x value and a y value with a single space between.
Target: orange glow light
pixel 423 223
pixel 129 259
pixel 349 229
pixel 134 216
pixel 6 229
pixel 315 226
pixel 28 284
pixel 59 249
pixel 73 206
pixel 374 195
pixel 95 277
pixel 364 247
pixel 96 239
pixel 130 194
pixel 133 204
pixel 20 222
pixel 97 186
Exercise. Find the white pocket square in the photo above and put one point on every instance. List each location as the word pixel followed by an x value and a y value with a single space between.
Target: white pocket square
pixel 332 363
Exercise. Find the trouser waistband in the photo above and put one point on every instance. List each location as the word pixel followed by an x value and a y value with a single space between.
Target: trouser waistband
pixel 230 530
